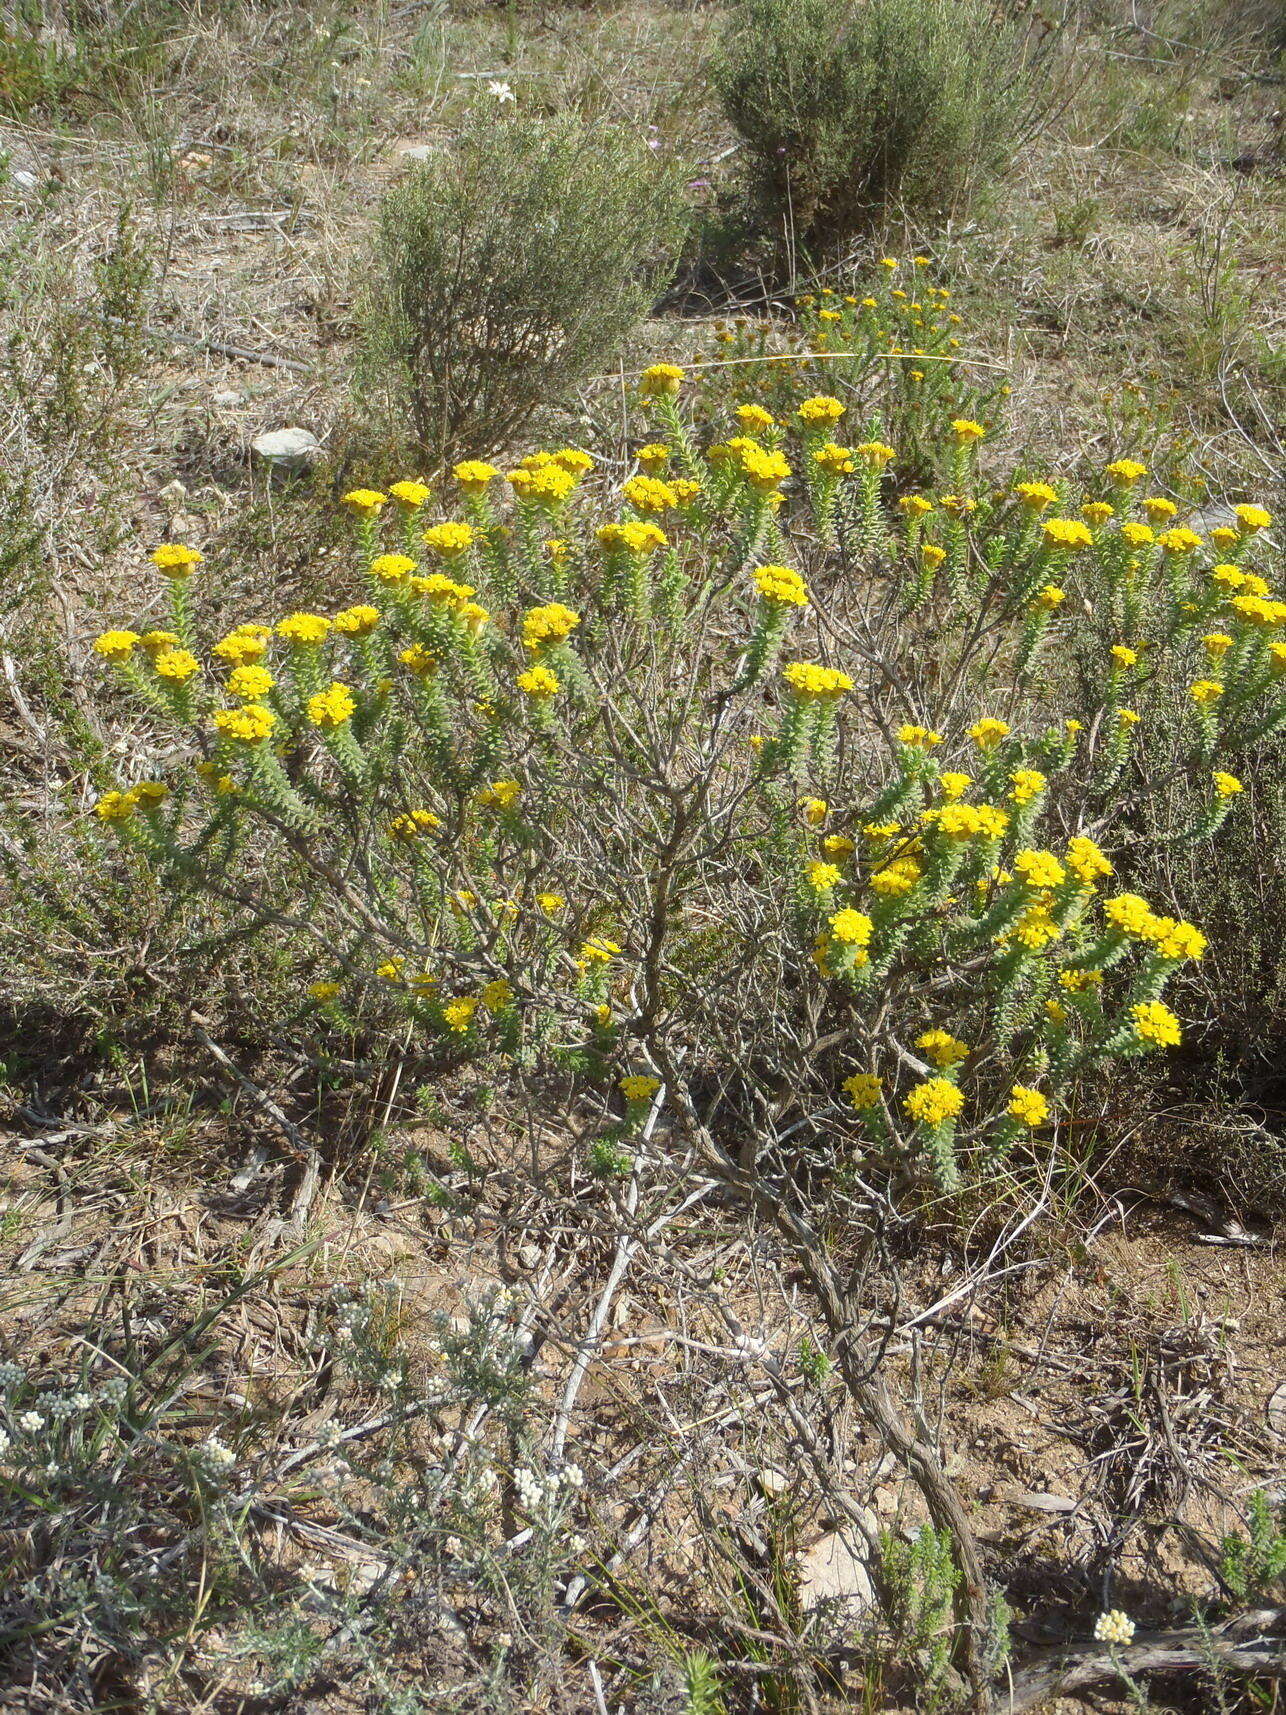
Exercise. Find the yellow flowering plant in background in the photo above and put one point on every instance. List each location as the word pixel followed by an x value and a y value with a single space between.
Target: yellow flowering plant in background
pixel 759 767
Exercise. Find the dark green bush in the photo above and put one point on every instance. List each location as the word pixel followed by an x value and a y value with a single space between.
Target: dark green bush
pixel 508 269
pixel 853 109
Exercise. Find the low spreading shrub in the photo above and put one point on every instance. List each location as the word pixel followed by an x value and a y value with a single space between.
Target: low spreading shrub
pixel 751 791
pixel 507 269
pixel 852 111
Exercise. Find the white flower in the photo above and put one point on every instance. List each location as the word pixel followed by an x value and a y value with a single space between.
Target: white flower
pixel 573 1476
pixel 81 1401
pixel 1114 1627
pixel 500 90
pixel 4 1443
pixel 11 1375
pixel 60 1406
pixel 214 1455
pixel 32 1422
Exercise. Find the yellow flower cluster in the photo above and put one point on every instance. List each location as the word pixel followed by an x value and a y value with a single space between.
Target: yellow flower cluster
pixel 934 1102
pixel 813 683
pixel 780 587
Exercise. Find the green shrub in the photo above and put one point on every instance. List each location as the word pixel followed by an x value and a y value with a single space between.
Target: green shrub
pixel 851 110
pixel 509 268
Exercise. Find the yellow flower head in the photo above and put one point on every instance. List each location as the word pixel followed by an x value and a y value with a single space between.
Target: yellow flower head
pixel 838 846
pixel 914 505
pixel 115 807
pixel 934 1102
pixel 173 560
pixel 833 459
pixel 988 732
pixel 942 1048
pixel 418 660
pixel 1097 511
pixel 964 431
pixel 250 684
pixel 1128 717
pixel 661 380
pixel 572 459
pixel 1223 537
pixel 1067 533
pixel 177 665
pixel 1159 509
pixel 1126 472
pixel 918 738
pixel 458 1014
pixel 822 877
pixel 1226 785
pixel 365 502
pixel 862 1090
pixel 811 683
pixel 1205 692
pixel 638 1086
pixel 304 630
pixel 1124 656
pixel 500 795
pixel 1036 496
pixel 407 828
pixel 496 996
pixel 813 811
pixel 473 475
pixel 1216 644
pixel 328 710
pixel 1028 783
pixel 410 496
pixel 449 540
pixel 1028 1106
pixel 1137 535
pixel 1086 862
pixel 931 555
pixel 323 992
pixel 1156 1025
pixel 821 412
pixel 654 457
pixel 442 591
pixel 538 683
pixel 765 471
pixel 852 928
pixel 1131 914
pixel 552 623
pixel 780 587
pixel 649 495
pixel 1179 541
pixel 634 537
pixel 116 646
pixel 249 725
pixel 954 785
pixel 1039 869
pixel 754 418
pixel 963 822
pixel 550 903
pixel 356 621
pixel 896 879
pixel 874 454
pixel 598 951
pixel 1251 519
pixel 392 569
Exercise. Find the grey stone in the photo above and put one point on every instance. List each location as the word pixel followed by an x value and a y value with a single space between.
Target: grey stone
pixel 291 449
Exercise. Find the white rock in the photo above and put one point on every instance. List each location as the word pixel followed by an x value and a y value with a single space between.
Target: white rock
pixel 772 1481
pixel 831 1571
pixel 24 180
pixel 228 399
pixel 173 494
pixel 291 449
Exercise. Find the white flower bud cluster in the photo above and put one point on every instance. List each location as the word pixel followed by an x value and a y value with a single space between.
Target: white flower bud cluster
pixel 214 1456
pixel 539 1494
pixel 1114 1627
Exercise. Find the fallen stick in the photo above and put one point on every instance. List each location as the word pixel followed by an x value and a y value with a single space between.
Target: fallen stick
pixel 1251 1644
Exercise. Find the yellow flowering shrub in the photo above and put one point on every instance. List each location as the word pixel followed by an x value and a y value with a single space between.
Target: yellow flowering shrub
pixel 724 772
